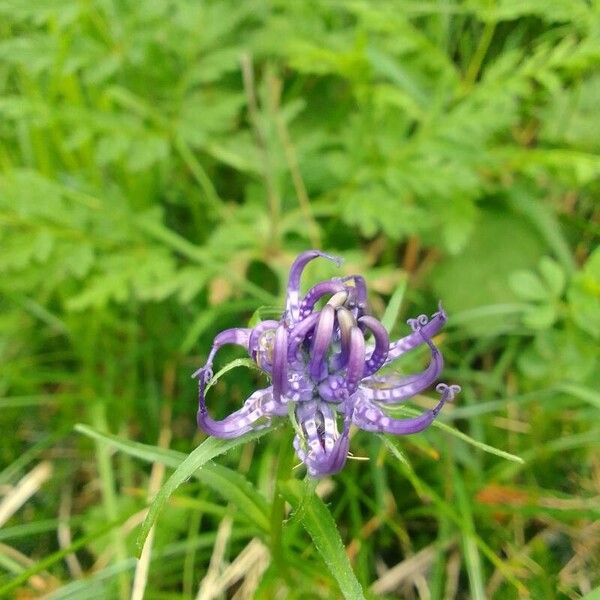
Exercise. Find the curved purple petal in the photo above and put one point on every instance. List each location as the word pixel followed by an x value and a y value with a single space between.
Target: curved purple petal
pixel 333 460
pixel 337 387
pixel 324 451
pixel 321 342
pixel 306 415
pixel 369 416
pixel 258 332
pixel 409 342
pixel 391 389
pixel 297 336
pixel 333 286
pixel 280 363
pixel 237 336
pixel 259 405
pixel 292 303
pixel 356 360
pixel 345 323
pixel 359 292
pixel 261 344
pixel 382 344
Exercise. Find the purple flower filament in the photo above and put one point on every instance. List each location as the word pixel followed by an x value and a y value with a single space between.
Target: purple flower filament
pixel 324 374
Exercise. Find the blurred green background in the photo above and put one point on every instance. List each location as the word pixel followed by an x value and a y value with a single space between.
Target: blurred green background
pixel 161 165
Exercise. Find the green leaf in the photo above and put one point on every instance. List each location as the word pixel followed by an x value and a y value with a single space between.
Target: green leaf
pixel 410 412
pixel 540 317
pixel 586 394
pixel 320 525
pixel 554 276
pixel 146 152
pixel 231 485
pixel 423 489
pixel 501 244
pixel 238 362
pixel 584 296
pixel 55 557
pixel 574 167
pixel 457 221
pixel 235 488
pixel 197 459
pixel 150 454
pixel 470 552
pixel 206 318
pixel 558 355
pixel 374 209
pixel 393 308
pixel 546 223
pixel 386 66
pixel 264 313
pixel 528 286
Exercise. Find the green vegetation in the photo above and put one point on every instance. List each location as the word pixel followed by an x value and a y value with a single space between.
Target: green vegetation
pixel 162 162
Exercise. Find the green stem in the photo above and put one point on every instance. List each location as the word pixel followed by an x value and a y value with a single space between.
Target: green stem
pixel 201 176
pixel 477 60
pixel 109 497
pixel 284 472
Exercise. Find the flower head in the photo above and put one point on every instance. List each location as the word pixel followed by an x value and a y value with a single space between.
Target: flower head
pixel 324 374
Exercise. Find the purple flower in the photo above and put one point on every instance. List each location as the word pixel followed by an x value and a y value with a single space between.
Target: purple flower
pixel 323 373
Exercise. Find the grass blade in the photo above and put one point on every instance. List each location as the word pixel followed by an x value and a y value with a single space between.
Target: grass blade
pixel 581 392
pixel 206 319
pixel 26 457
pixel 404 410
pixel 208 450
pixel 318 522
pixel 55 557
pixel 238 362
pixel 426 491
pixel 145 452
pixel 237 489
pixel 231 485
pixel 470 551
pixel 393 308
